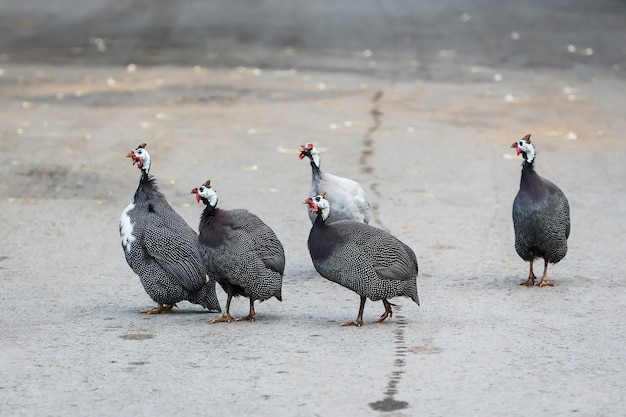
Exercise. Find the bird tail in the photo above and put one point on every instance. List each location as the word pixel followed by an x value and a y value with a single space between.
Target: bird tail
pixel 411 290
pixel 207 297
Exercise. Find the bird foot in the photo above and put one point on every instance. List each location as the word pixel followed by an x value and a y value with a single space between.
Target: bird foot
pixel 384 316
pixel 529 282
pixel 247 318
pixel 225 318
pixel 544 283
pixel 357 323
pixel 158 310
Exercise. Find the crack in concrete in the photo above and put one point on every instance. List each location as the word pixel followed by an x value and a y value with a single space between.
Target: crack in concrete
pixel 388 403
pixel 368 150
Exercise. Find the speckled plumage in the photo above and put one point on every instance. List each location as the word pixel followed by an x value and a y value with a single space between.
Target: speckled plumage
pixel 162 250
pixel 367 260
pixel 541 217
pixel 242 254
pixel 347 197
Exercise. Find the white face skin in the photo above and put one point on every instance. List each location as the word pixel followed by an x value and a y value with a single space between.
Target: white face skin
pixel 208 193
pixel 322 205
pixel 527 148
pixel 145 158
pixel 316 156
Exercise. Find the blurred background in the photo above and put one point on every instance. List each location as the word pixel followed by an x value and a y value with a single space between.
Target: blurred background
pixel 433 40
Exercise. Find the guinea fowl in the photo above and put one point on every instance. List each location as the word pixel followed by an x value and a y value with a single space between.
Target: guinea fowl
pixel 240 252
pixel 346 196
pixel 161 248
pixel 540 216
pixel 362 258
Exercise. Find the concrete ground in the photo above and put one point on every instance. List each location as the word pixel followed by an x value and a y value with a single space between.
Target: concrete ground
pixel 419 101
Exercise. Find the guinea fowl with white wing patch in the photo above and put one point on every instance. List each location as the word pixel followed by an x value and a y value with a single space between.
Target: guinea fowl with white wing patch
pixel 240 252
pixel 362 258
pixel 541 216
pixel 161 248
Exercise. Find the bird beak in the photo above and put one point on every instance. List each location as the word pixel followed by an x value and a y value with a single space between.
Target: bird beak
pixel 135 158
pixel 195 191
pixel 517 149
pixel 312 206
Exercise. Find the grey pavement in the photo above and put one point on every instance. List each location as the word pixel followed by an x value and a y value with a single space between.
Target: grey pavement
pixel 419 101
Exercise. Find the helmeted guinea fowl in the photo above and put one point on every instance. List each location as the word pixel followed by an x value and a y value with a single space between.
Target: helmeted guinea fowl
pixel 346 196
pixel 161 248
pixel 240 252
pixel 540 216
pixel 362 258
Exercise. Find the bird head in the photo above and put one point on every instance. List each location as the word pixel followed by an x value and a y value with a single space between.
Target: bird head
pixel 312 206
pixel 525 147
pixel 318 203
pixel 140 156
pixel 205 193
pixel 307 150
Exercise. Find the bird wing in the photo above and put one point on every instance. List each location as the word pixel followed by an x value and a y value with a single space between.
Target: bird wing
pixel 393 262
pixel 560 205
pixel 173 244
pixel 391 258
pixel 264 241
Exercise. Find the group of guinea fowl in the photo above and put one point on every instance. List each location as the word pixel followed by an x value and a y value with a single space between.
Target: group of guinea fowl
pixel 236 249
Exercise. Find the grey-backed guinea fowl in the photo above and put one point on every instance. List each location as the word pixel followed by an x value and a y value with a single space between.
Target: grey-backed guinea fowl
pixel 346 196
pixel 540 216
pixel 161 248
pixel 362 258
pixel 240 252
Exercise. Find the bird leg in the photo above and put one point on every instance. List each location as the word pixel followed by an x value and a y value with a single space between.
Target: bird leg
pixel 251 316
pixel 531 276
pixel 226 317
pixel 158 310
pixel 359 318
pixel 388 311
pixel 544 278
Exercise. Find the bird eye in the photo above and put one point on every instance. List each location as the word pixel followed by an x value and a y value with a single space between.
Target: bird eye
pixel 520 143
pixel 317 199
pixel 201 189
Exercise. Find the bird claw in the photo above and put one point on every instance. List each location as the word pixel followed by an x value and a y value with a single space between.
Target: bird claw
pixel 246 318
pixel 544 282
pixel 529 282
pixel 159 309
pixel 384 316
pixel 357 323
pixel 225 318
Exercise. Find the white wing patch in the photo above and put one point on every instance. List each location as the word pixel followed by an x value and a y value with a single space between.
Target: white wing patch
pixel 126 228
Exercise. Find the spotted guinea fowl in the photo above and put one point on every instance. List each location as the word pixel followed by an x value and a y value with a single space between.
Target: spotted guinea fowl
pixel 240 252
pixel 346 196
pixel 362 258
pixel 540 216
pixel 161 248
